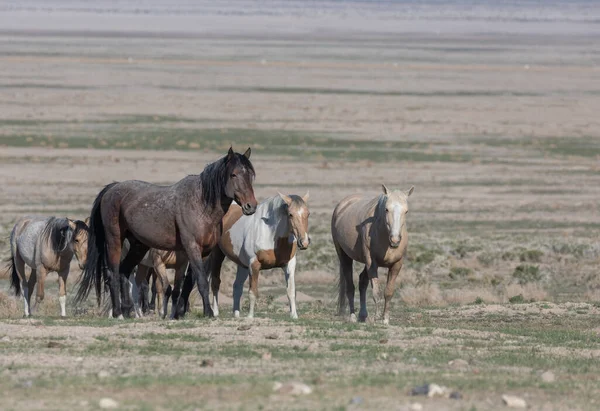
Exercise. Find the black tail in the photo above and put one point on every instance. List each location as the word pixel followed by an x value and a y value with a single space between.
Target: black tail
pixel 95 267
pixel 15 281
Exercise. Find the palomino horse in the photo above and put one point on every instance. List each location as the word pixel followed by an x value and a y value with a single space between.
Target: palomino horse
pixel 371 231
pixel 264 240
pixel 45 244
pixel 184 216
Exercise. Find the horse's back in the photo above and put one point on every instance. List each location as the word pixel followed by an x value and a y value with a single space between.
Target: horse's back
pixel 348 216
pixel 26 234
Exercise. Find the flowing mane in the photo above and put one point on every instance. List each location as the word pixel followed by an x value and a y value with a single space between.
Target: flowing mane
pixel 215 175
pixel 57 231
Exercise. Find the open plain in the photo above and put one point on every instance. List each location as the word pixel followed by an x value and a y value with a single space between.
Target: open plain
pixel 498 132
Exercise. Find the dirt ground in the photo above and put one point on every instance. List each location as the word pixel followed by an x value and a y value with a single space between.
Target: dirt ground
pixel 498 133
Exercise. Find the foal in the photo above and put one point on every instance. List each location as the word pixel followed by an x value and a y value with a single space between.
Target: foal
pixel 266 239
pixel 371 231
pixel 45 244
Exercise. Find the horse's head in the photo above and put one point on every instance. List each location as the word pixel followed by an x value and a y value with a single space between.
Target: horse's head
pixel 79 240
pixel 239 177
pixel 297 214
pixel 395 206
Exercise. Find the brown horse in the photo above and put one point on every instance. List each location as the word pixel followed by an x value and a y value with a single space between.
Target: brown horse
pixel 371 231
pixel 265 240
pixel 45 244
pixel 184 216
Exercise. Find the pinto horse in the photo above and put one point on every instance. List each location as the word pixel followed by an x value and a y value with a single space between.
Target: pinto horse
pixel 184 216
pixel 267 239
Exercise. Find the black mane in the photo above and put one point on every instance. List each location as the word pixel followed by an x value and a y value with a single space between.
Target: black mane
pixel 57 230
pixel 215 176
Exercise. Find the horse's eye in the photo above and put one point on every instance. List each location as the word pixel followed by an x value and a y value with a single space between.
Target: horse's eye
pixel 291 215
pixel 387 210
pixel 232 175
pixel 76 241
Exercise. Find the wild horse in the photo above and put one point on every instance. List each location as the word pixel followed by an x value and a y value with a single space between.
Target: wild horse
pixel 184 216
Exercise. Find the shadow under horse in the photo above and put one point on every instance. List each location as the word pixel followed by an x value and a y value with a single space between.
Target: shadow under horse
pixel 184 216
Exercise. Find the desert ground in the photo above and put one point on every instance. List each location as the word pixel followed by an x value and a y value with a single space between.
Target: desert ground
pixel 499 134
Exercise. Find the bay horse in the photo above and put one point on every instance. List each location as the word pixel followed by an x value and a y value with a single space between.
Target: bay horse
pixel 265 240
pixel 371 231
pixel 45 244
pixel 184 216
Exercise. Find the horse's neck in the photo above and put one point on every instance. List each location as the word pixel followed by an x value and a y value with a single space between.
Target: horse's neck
pixel 379 223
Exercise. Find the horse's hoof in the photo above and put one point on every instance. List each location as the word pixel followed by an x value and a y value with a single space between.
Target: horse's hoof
pixel 352 318
pixel 362 319
pixel 386 321
pixel 294 316
pixel 236 314
pixel 250 316
pixel 120 317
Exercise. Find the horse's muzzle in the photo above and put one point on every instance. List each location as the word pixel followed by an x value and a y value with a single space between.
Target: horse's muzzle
pixel 395 243
pixel 303 245
pixel 248 209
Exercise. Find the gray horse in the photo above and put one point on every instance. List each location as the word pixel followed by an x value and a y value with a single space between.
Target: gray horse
pixel 45 244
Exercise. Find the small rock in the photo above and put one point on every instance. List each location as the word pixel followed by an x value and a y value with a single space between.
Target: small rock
pixel 292 388
pixel 548 376
pixel 356 400
pixel 420 390
pixel 383 356
pixel 415 406
pixel 207 363
pixel 436 390
pixel 103 374
pixel 79 359
pixel 266 356
pixel 5 339
pixel 383 341
pixel 271 336
pixel 455 395
pixel 513 401
pixel 244 327
pixel 107 403
pixel 459 364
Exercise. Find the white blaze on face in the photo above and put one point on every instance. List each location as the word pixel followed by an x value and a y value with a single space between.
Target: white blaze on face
pixel 305 237
pixel 396 211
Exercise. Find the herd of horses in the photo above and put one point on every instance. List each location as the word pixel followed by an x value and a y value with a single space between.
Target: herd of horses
pixel 192 226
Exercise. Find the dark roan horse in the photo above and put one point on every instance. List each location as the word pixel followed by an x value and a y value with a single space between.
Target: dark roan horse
pixel 184 216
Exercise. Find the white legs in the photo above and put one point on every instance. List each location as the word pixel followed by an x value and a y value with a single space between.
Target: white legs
pixel 238 289
pixel 26 299
pixel 215 305
pixel 134 294
pixel 289 271
pixel 63 305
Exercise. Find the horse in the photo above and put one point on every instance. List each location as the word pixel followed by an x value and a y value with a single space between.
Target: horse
pixel 154 266
pixel 371 231
pixel 184 216
pixel 265 240
pixel 45 244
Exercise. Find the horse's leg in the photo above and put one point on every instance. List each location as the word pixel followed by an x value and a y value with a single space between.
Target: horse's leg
pixel 178 310
pixel 20 268
pixel 238 288
pixel 161 283
pixel 31 282
pixel 389 289
pixel 216 261
pixel 140 278
pixel 152 281
pixel 134 296
pixel 113 278
pixel 346 282
pixel 290 271
pixel 372 272
pixel 363 284
pixel 133 258
pixel 62 290
pixel 194 254
pixel 254 273
pixel 39 297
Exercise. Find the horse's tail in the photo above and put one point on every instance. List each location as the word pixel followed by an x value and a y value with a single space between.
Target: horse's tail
pixel 341 298
pixel 95 267
pixel 15 281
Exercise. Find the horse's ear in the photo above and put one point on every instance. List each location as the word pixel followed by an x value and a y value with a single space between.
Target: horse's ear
pixel 247 153
pixel 72 224
pixel 385 190
pixel 410 191
pixel 230 153
pixel 87 221
pixel 306 196
pixel 287 199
